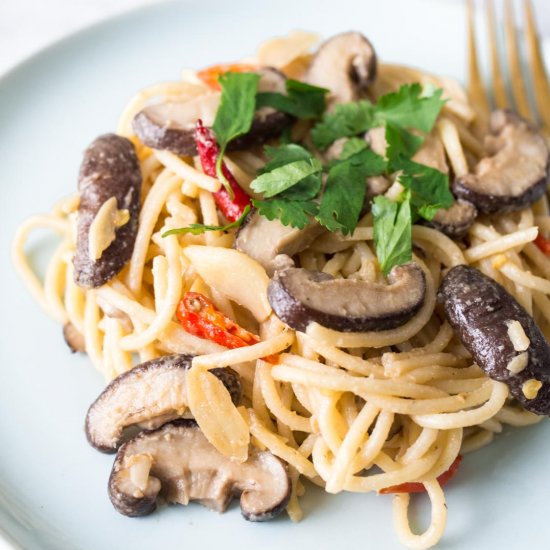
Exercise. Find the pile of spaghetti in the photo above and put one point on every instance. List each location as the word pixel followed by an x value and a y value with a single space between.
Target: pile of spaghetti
pixel 388 410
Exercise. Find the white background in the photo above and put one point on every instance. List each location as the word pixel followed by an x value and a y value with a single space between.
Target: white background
pixel 26 26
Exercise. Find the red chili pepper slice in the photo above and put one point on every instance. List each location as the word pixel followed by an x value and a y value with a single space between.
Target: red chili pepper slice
pixel 543 243
pixel 198 316
pixel 419 487
pixel 231 208
pixel 210 75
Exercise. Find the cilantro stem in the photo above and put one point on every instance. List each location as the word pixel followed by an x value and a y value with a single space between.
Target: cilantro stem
pixel 221 176
pixel 199 228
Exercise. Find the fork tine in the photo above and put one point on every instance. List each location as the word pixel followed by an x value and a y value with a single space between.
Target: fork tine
pixel 499 88
pixel 540 80
pixel 514 66
pixel 476 89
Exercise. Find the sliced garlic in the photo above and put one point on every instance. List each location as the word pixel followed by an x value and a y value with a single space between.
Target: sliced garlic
pixel 517 336
pixel 531 388
pixel 103 227
pixel 139 467
pixel 234 274
pixel 518 363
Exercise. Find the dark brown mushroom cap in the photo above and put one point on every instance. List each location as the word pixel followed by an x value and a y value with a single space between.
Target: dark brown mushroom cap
pixel 454 221
pixel 110 168
pixel 171 125
pixel 345 64
pixel 480 310
pixel 156 127
pixel 152 128
pixel 300 297
pixel 514 175
pixel 264 240
pixel 152 392
pixel 178 463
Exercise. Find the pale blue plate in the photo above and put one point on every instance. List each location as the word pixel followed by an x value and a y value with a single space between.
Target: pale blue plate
pixel 52 484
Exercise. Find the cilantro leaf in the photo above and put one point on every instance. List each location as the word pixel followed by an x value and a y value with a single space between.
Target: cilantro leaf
pixel 400 142
pixel 310 100
pixel 235 112
pixel 237 105
pixel 344 194
pixel 426 191
pixel 392 232
pixel 306 189
pixel 276 100
pixel 429 188
pixel 286 136
pixel 288 212
pixel 282 178
pixel 302 100
pixel 347 120
pixel 285 154
pixel 199 228
pixel 352 146
pixel 408 108
pixel 294 176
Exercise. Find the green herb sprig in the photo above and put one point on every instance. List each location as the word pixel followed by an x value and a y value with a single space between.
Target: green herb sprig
pixel 297 189
pixel 199 228
pixel 240 99
pixel 392 231
pixel 302 100
pixel 407 108
pixel 235 113
pixel 293 204
pixel 295 185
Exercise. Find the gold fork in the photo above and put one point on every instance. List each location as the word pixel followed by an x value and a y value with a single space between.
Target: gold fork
pixel 518 85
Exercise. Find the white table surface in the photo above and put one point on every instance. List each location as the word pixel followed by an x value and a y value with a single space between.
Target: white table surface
pixel 26 26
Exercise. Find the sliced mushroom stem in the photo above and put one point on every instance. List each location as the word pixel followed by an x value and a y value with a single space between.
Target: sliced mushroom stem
pixel 177 462
pixel 264 240
pixel 432 154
